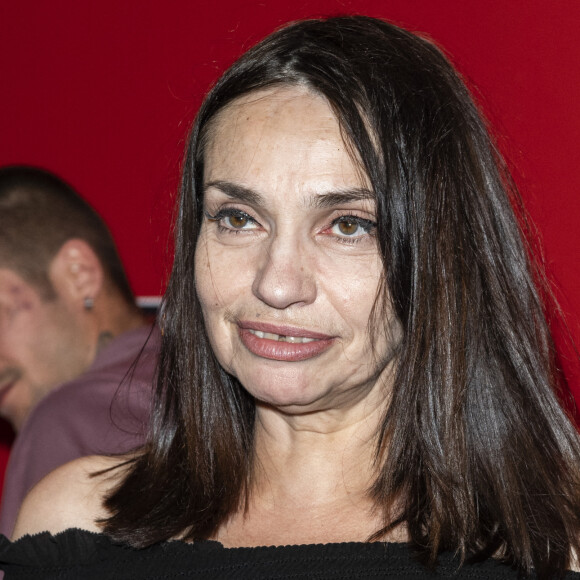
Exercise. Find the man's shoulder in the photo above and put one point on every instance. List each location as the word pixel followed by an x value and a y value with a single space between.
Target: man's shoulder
pixel 127 382
pixel 87 416
pixel 100 412
pixel 90 396
pixel 69 497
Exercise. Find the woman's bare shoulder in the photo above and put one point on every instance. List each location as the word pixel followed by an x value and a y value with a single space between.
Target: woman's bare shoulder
pixel 69 497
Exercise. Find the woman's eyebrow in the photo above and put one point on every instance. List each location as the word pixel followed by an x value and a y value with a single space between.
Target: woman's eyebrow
pixel 317 201
pixel 340 197
pixel 236 191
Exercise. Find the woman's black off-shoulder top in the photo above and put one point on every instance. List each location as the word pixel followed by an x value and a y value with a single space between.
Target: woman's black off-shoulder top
pixel 81 555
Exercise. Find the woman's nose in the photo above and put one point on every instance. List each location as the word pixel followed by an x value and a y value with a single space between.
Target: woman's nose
pixel 285 276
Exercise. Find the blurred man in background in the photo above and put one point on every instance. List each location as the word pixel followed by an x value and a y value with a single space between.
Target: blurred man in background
pixel 69 334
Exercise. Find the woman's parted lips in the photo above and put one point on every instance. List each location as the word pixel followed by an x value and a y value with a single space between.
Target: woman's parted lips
pixel 283 330
pixel 281 342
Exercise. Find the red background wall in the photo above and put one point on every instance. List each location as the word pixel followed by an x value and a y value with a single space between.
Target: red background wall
pixel 103 93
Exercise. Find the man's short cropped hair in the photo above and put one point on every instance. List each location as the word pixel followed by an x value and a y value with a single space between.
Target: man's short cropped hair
pixel 39 212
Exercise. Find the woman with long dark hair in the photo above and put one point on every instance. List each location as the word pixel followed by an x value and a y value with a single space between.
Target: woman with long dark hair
pixel 356 369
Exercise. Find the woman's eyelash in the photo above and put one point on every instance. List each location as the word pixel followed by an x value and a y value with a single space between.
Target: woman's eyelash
pixel 367 225
pixel 230 213
pixel 227 212
pixel 344 236
pixel 350 234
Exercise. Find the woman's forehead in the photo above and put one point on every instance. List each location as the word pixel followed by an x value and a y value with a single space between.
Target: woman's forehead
pixel 281 137
pixel 286 110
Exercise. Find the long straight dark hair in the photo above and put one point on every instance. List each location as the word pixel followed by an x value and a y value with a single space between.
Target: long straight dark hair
pixel 474 445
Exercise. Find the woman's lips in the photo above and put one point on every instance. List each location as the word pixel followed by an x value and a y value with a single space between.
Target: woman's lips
pixel 282 343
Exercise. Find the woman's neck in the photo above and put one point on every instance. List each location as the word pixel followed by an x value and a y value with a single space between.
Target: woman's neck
pixel 319 457
pixel 311 479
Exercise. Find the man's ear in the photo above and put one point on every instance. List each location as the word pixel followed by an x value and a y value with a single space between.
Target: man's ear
pixel 76 272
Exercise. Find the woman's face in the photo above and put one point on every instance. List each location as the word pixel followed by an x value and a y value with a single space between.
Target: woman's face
pixel 287 262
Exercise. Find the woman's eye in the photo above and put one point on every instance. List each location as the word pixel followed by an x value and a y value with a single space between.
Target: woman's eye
pixel 352 226
pixel 237 221
pixel 233 219
pixel 348 227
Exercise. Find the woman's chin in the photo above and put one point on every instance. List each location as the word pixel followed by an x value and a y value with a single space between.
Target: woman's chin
pixel 288 401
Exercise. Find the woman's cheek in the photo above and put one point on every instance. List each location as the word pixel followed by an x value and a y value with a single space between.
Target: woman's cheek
pixel 214 274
